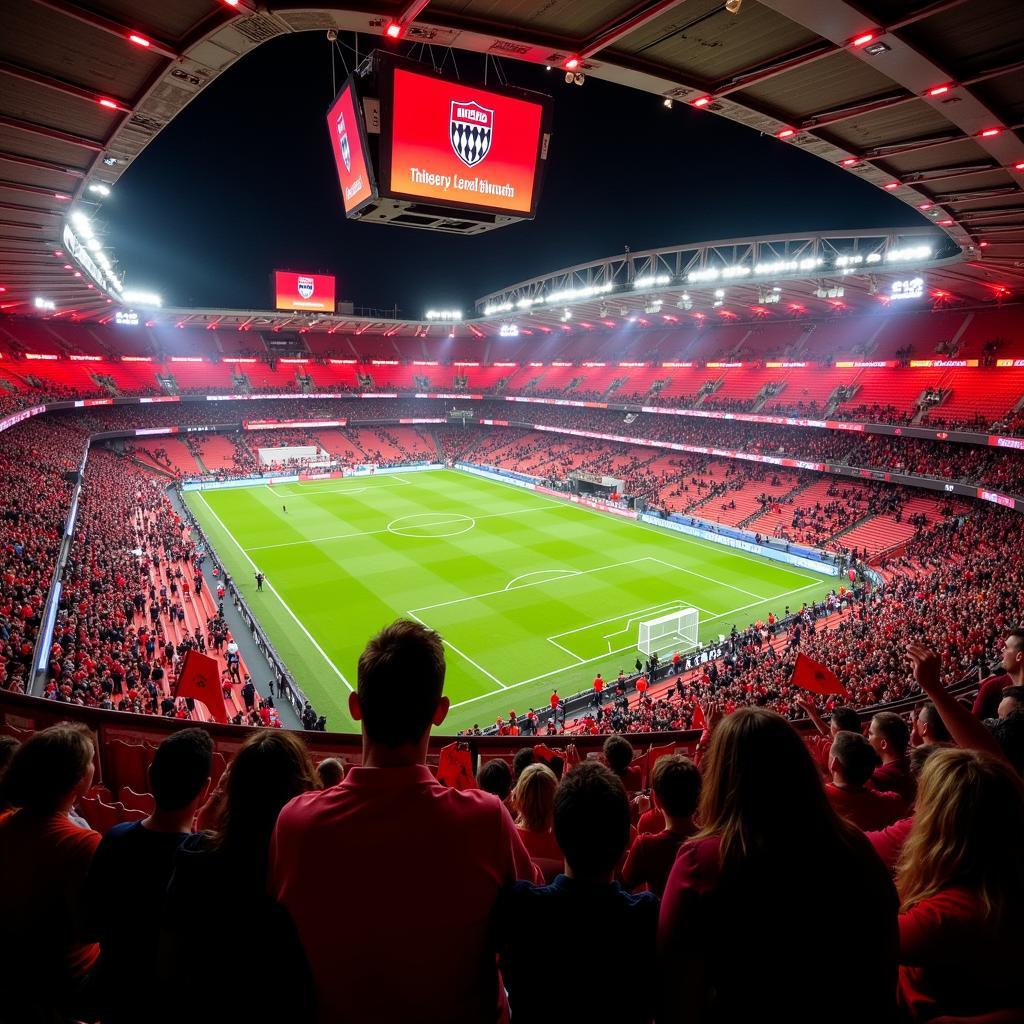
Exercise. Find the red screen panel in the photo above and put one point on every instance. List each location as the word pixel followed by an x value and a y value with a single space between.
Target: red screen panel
pixel 346 134
pixel 304 291
pixel 463 144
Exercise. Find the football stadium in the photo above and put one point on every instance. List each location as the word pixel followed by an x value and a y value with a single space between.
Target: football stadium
pixel 556 466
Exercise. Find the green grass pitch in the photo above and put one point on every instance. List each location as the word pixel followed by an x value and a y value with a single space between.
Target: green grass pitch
pixel 529 593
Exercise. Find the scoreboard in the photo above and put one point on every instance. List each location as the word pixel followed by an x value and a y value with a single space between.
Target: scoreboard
pixel 414 148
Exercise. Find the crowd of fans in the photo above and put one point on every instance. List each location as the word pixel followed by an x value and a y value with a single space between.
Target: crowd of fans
pixel 712 883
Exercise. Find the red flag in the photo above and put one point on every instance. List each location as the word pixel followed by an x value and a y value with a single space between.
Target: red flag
pixel 653 755
pixel 809 674
pixel 544 753
pixel 200 678
pixel 455 767
pixel 698 719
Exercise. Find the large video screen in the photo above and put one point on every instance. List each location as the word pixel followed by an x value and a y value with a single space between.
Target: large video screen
pixel 461 145
pixel 348 141
pixel 304 291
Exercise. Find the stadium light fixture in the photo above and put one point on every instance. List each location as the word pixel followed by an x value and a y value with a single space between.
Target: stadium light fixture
pixel 571 63
pixel 62 196
pixel 578 78
pixel 701 101
pixel 891 186
pixel 138 40
pixel 667 102
pixel 938 90
pixel 947 223
pixel 850 161
pixel 983 245
pixel 108 103
pixel 990 133
pixel 98 188
pixel 785 133
pixel 925 206
pixel 393 30
pixel 733 6
pixel 138 298
pixel 1019 165
pixel 863 39
pixel 45 304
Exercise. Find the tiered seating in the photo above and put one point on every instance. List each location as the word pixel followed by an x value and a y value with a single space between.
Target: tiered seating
pixel 881 533
pixel 922 332
pixel 878 387
pixel 842 337
pixel 1002 326
pixel 745 499
pixel 743 383
pixel 806 385
pixel 202 376
pixel 177 456
pixel 719 343
pixel 987 394
pixel 216 451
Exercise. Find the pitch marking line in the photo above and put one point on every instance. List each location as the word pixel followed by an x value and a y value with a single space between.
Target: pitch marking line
pixel 566 650
pixel 704 545
pixel 562 574
pixel 298 488
pixel 607 654
pixel 536 583
pixel 462 654
pixel 710 579
pixel 374 533
pixel 270 587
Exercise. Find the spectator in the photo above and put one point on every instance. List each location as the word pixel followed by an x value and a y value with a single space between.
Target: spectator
pixel 851 764
pixel 44 860
pixel 330 771
pixel 463 845
pixel 126 917
pixel 889 737
pixel 533 802
pixel 618 753
pixel 1012 702
pixel 961 882
pixel 842 719
pixel 591 818
pixel 927 726
pixel 767 833
pixel 1012 663
pixel 495 776
pixel 524 757
pixel 226 868
pixel 676 784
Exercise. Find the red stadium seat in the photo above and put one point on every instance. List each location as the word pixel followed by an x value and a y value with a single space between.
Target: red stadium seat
pixel 137 801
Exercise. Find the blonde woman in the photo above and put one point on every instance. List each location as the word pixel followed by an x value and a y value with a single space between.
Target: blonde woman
pixel 961 885
pixel 533 803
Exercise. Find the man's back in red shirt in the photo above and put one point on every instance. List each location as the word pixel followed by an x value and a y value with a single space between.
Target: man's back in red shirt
pixel 390 879
pixel 865 808
pixel 895 777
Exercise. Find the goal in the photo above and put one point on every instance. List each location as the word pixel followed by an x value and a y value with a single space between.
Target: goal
pixel 676 631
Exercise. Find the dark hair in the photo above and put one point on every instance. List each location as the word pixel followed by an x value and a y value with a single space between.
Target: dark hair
pixel 180 768
pixel 8 745
pixel 271 767
pixel 918 756
pixel 676 783
pixel 856 757
pixel 1014 693
pixel 591 818
pixel 893 730
pixel 618 752
pixel 401 677
pixel 937 730
pixel 495 776
pixel 523 759
pixel 330 771
pixel 47 767
pixel 1009 733
pixel 846 720
pixel 762 794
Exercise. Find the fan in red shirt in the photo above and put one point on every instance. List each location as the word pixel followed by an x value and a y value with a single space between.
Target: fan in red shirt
pixel 43 946
pixel 676 783
pixel 408 845
pixel 851 763
pixel 961 882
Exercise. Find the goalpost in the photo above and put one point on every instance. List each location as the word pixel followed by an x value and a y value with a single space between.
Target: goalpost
pixel 676 631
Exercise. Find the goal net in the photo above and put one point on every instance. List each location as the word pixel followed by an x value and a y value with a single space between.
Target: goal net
pixel 676 631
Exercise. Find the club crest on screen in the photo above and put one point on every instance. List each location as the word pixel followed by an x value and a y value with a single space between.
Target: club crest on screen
pixel 305 287
pixel 470 131
pixel 346 153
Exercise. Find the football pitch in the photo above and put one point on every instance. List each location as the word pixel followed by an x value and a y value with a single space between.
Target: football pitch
pixel 528 592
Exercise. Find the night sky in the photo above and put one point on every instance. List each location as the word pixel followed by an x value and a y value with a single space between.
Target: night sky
pixel 243 181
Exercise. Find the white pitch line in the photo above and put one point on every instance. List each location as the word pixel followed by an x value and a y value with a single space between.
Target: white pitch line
pixel 525 586
pixel 566 649
pixel 270 586
pixel 705 545
pixel 373 533
pixel 711 579
pixel 462 654
pixel 562 574
pixel 619 650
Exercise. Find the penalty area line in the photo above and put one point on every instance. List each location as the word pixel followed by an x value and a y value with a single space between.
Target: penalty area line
pixel 270 587
pixel 462 654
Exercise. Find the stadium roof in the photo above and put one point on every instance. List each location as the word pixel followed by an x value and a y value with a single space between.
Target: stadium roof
pixel 924 99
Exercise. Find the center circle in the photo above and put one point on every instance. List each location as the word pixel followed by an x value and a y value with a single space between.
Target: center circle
pixel 432 524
